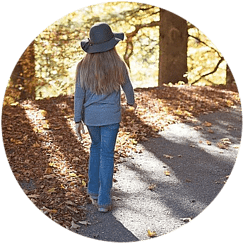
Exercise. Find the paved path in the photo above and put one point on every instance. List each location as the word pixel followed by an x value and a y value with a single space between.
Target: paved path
pixel 145 197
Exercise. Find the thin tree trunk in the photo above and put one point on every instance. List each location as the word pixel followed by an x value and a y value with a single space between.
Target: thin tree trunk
pixel 229 76
pixel 23 75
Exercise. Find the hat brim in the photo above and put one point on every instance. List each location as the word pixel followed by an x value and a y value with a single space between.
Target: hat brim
pixel 106 46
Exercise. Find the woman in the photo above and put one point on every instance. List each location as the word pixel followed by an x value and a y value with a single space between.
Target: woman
pixel 99 77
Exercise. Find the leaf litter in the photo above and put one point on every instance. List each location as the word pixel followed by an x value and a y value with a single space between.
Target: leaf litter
pixel 41 145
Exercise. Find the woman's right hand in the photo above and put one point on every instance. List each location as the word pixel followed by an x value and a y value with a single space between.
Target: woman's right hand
pixel 135 106
pixel 79 128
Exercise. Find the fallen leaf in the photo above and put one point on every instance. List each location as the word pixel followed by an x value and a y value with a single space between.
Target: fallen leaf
pixel 210 131
pixel 14 104
pixel 116 198
pixel 33 196
pixel 70 203
pixel 72 209
pixel 48 171
pixel 49 176
pixel 53 211
pixel 84 222
pixel 51 190
pixel 74 226
pixel 33 200
pixel 152 187
pixel 198 128
pixel 168 156
pixel 72 175
pixel 47 210
pixel 207 124
pixel 76 160
pixel 83 183
pixel 46 127
pixel 151 233
pixel 16 141
pixel 52 164
pixel 221 145
pixel 68 194
pixel 186 220
pixel 57 128
pixel 36 145
pixel 226 140
pixel 167 173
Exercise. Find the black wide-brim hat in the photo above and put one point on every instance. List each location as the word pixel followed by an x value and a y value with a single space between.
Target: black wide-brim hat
pixel 101 39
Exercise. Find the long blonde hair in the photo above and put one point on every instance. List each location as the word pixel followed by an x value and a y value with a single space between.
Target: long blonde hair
pixel 102 72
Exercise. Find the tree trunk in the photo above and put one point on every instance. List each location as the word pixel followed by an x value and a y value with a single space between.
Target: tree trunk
pixel 16 81
pixel 229 76
pixel 173 48
pixel 23 75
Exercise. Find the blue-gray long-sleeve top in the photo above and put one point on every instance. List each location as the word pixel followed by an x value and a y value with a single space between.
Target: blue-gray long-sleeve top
pixel 100 110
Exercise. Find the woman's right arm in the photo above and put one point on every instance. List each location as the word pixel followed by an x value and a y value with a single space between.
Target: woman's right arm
pixel 79 97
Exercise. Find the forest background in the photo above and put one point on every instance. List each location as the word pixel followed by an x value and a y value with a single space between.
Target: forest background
pixel 47 67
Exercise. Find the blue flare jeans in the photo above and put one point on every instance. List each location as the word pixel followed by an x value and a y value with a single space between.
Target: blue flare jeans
pixel 101 162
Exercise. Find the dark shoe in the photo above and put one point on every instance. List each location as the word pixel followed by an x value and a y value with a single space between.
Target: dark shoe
pixel 104 209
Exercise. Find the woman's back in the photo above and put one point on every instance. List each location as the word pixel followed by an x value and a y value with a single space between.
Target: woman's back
pixel 102 73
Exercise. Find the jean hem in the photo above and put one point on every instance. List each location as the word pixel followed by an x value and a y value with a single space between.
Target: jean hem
pixel 106 206
pixel 93 195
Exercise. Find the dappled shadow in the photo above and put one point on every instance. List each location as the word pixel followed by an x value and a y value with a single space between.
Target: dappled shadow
pixel 196 178
pixel 47 159
pixel 19 138
pixel 183 102
pixel 60 124
pixel 198 170
pixel 52 164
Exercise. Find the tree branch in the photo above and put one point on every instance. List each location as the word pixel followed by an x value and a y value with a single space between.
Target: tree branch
pixel 129 46
pixel 140 26
pixel 214 70
pixel 204 43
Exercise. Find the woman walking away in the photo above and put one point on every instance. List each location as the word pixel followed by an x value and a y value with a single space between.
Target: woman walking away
pixel 99 76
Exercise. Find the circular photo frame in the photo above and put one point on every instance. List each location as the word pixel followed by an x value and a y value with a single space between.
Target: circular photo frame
pixel 179 115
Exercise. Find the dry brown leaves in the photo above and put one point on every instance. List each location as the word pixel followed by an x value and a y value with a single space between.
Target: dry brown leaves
pixel 42 147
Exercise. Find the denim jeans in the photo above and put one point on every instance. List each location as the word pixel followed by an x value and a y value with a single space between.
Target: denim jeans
pixel 101 162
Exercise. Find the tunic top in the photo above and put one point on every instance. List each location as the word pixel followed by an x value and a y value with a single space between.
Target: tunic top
pixel 103 109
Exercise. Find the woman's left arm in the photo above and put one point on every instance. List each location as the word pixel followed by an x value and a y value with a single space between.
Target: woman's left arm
pixel 128 90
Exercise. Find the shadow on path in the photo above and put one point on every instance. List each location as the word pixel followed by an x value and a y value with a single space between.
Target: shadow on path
pixel 197 173
pixel 104 226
